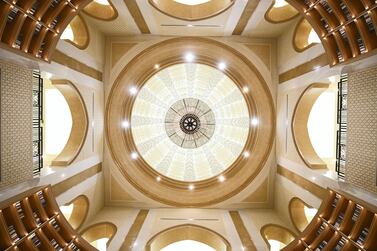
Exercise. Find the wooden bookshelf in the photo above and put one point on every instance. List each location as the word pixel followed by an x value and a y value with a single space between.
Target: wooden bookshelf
pixel 33 221
pixel 342 223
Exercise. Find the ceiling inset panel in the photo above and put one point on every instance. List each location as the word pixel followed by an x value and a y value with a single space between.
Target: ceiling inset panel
pixel 101 9
pixel 280 11
pixel 192 10
pixel 190 139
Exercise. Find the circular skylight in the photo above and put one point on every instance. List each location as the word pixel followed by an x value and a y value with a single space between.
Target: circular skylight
pixel 190 122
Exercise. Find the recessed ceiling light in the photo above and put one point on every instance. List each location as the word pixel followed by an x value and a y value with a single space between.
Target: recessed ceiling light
pixel 125 124
pixel 245 89
pixel 190 25
pixel 254 121
pixel 133 90
pixel 191 187
pixel 221 178
pixel 134 155
pixel 156 66
pixel 246 154
pixel 221 66
pixel 158 178
pixel 189 57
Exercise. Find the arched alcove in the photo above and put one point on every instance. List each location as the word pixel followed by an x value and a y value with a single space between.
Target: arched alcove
pixel 76 211
pixel 77 33
pixel 280 11
pixel 102 10
pixel 304 36
pixel 99 235
pixel 301 213
pixel 187 232
pixel 276 237
pixel 191 10
pixel 299 126
pixel 79 123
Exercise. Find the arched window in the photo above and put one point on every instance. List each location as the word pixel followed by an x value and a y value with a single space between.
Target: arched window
pixel 66 122
pixel 314 125
pixel 100 235
pixel 101 9
pixel 188 237
pixel 304 36
pixel 77 33
pixel 276 237
pixel 280 11
pixel 301 213
pixel 76 211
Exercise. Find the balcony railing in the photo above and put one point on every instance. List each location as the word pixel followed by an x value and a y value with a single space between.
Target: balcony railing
pixel 37 123
pixel 341 136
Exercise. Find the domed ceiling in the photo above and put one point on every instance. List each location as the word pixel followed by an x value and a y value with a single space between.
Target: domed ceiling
pixel 190 122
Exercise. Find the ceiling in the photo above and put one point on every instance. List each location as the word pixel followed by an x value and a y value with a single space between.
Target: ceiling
pixel 140 13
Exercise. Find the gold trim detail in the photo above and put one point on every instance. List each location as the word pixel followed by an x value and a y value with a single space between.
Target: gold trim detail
pixel 134 231
pixel 101 12
pixel 173 192
pixel 299 125
pixel 306 67
pixel 137 16
pixel 277 232
pixel 300 36
pixel 98 231
pixel 80 123
pixel 280 15
pixel 191 12
pixel 188 232
pixel 70 182
pixel 297 213
pixel 61 58
pixel 80 211
pixel 80 33
pixel 245 16
pixel 307 185
pixel 247 242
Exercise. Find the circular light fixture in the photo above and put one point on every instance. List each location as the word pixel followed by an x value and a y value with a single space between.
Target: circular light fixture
pixel 156 66
pixel 254 121
pixel 134 155
pixel 245 89
pixel 133 90
pixel 189 57
pixel 125 124
pixel 191 187
pixel 246 154
pixel 221 178
pixel 158 178
pixel 222 66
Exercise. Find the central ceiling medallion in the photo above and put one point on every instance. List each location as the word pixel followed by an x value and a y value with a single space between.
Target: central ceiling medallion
pixel 190 123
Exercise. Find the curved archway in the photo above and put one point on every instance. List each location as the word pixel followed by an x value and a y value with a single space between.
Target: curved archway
pixel 277 235
pixel 102 10
pixel 299 126
pixel 77 33
pixel 304 36
pixel 76 211
pixel 280 11
pixel 187 232
pixel 301 213
pixel 99 235
pixel 79 123
pixel 191 11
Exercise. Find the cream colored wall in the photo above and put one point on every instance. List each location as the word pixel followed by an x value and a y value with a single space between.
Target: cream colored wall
pixel 288 58
pixel 93 189
pixel 93 55
pixel 216 220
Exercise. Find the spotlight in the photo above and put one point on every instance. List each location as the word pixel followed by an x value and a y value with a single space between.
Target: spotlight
pixel 134 155
pixel 221 66
pixel 133 90
pixel 191 187
pixel 254 121
pixel 189 57
pixel 221 178
pixel 246 154
pixel 125 124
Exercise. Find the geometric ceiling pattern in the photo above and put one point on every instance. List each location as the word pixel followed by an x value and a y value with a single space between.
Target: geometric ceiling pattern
pixel 199 90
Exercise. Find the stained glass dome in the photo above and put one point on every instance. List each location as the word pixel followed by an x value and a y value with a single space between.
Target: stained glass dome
pixel 190 122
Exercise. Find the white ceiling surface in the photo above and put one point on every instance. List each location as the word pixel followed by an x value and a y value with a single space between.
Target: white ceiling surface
pixel 259 27
pixel 124 24
pixel 226 21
